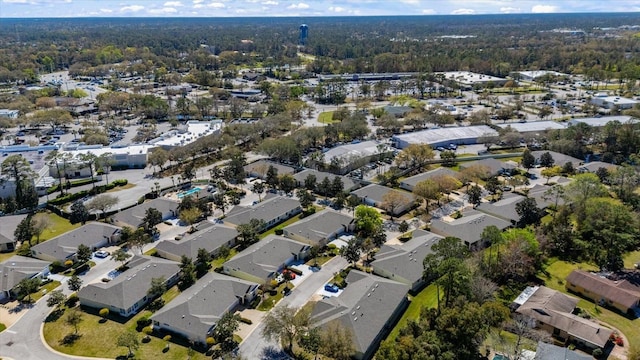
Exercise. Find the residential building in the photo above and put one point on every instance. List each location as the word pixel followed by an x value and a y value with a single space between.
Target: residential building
pixel 7 244
pixel 495 167
pixel 127 293
pixel 403 263
pixel 134 216
pixel 552 311
pixel 259 168
pixel 620 294
pixel 264 259
pixel 17 268
pixel 272 211
pixel 320 228
pixel 368 308
pixel 593 167
pixel 195 312
pixel 543 194
pixel 320 176
pixel 444 136
pixel 211 239
pixel 558 158
pixel 469 227
pixel 375 195
pixel 410 182
pixel 546 351
pixel 505 208
pixel 64 247
pixel 344 158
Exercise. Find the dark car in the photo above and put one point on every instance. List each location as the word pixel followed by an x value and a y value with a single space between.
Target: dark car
pixel 331 288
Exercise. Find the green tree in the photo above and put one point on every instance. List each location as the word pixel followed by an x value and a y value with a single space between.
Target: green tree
pixel 287 183
pixel 310 182
pixel 157 287
pixel 368 220
pixel 528 211
pixel 271 177
pixel 74 283
pixel 447 265
pixel 582 188
pixel 138 239
pixel 120 256
pixel 475 195
pixel 83 254
pixel 89 160
pixel 448 158
pixel 79 213
pixel 152 217
pixel 258 188
pixel 306 198
pixel 190 216
pixel 285 324
pixel 28 286
pixel 17 168
pixel 223 332
pixel 336 341
pixel 546 159
pixel 248 233
pixel 220 202
pixel 427 190
pixel 203 260
pixel 311 341
pixel 187 273
pixel 351 252
pixel 129 339
pixel 55 298
pixel 352 202
pixel 528 160
pixel 24 231
pixel 415 156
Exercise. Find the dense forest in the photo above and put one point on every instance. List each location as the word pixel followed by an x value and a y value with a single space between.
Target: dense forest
pixel 603 45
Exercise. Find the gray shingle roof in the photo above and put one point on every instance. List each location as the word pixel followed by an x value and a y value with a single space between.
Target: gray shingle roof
pixel 539 193
pixel 504 208
pixel 196 310
pixel 376 193
pixel 364 307
pixel 469 227
pixel 320 176
pixel 134 215
pixel 558 158
pixel 554 308
pixel 267 210
pixel 210 239
pixel 16 268
pixel 320 225
pixel 91 234
pixel 261 166
pixel 266 256
pixel 405 260
pixel 546 351
pixel 5 240
pixel 132 285
pixel 413 180
pixel 494 165
pixel 595 165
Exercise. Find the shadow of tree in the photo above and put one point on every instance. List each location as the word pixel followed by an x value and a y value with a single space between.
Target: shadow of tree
pixel 70 339
pixel 54 315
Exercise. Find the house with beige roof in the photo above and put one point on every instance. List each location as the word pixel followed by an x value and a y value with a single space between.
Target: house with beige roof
pixel 621 294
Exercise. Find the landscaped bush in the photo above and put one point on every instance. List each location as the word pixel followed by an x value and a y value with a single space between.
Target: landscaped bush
pixel 246 321
pixel 142 322
pixel 120 182
pixel 72 300
pixel 597 353
pixel 279 231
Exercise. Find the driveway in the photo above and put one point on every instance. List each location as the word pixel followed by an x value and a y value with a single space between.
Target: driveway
pixel 255 346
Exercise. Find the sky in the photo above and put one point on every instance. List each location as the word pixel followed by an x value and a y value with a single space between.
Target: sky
pixel 297 8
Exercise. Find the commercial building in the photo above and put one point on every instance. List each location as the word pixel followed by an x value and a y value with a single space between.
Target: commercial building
pixel 535 74
pixel 444 136
pixel 10 114
pixel 613 102
pixel 603 120
pixel 344 158
pixel 534 126
pixel 131 157
pixel 467 80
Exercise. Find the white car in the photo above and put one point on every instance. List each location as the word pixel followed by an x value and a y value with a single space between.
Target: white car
pixel 101 254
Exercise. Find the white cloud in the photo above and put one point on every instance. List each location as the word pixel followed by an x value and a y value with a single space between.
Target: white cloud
pixel 270 2
pixel 164 10
pixel 197 1
pixel 132 8
pixel 544 9
pixel 509 10
pixel 298 6
pixel 463 12
pixel 428 12
pixel 216 5
pixel 106 11
pixel 337 9
pixel 15 1
pixel 410 2
pixel 173 4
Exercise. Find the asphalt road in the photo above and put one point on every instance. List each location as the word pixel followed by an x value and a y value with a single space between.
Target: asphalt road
pixel 255 346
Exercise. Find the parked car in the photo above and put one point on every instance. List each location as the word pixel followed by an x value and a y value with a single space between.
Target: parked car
pixel 331 288
pixel 101 254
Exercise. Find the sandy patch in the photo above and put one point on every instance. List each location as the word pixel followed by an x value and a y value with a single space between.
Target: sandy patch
pixel 252 314
pixel 11 312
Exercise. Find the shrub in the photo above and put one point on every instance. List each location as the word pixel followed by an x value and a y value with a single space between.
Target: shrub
pixel 142 322
pixel 120 182
pixel 295 271
pixel 68 263
pixel 72 300
pixel 279 231
pixel 147 330
pixel 211 341
pixel 156 304
pixel 246 321
pixel 597 353
pixel 104 312
pixel 619 341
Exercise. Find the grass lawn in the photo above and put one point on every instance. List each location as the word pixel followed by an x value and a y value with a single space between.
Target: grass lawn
pixel 280 226
pixel 631 259
pixel 426 298
pixel 48 287
pixel 99 339
pixel 326 117
pixel 270 301
pixel 320 260
pixel 216 263
pixel 59 225
pixel 5 256
pixel 559 270
pixel 2 327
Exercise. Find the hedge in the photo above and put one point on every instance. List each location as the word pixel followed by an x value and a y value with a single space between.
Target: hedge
pixel 246 321
pixel 60 200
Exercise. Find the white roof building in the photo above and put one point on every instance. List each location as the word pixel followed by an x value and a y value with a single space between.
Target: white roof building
pixel 468 78
pixel 195 130
pixel 444 136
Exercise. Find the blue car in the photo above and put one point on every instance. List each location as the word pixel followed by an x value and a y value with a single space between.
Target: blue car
pixel 331 288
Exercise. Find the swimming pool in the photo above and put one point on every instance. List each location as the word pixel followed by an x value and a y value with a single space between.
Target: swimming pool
pixel 500 357
pixel 188 192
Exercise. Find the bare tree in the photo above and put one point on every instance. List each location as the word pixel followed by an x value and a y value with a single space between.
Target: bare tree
pixel 102 203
